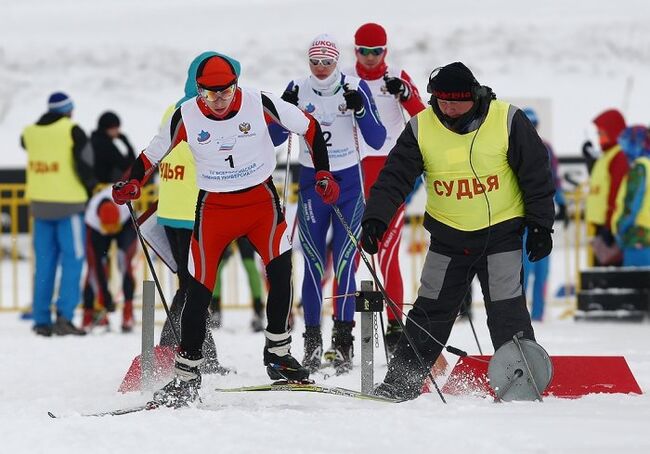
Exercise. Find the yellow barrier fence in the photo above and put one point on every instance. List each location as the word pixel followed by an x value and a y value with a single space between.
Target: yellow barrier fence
pixel 16 254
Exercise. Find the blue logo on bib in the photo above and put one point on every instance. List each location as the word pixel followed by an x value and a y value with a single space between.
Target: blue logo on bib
pixel 309 108
pixel 203 136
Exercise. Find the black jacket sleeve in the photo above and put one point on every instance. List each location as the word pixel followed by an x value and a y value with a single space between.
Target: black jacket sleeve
pixel 403 166
pixel 83 158
pixel 528 157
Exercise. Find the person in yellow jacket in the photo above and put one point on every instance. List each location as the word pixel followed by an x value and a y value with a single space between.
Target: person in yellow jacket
pixel 487 177
pixel 605 178
pixel 59 180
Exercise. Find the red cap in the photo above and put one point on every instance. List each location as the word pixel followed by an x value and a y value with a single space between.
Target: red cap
pixel 370 35
pixel 216 72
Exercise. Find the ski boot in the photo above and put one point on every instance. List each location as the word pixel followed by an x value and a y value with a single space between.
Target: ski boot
pixel 342 340
pixel 88 321
pixel 127 317
pixel 109 304
pixel 257 324
pixel 184 388
pixel 93 318
pixel 280 365
pixel 313 348
pixel 214 320
pixel 64 327
pixel 393 333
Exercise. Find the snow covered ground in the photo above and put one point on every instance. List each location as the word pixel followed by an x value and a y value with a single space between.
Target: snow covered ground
pixel 70 376
pixel 132 56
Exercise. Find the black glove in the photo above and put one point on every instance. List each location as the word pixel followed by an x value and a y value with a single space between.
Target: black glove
pixel 590 155
pixel 606 235
pixel 372 231
pixel 395 86
pixel 539 242
pixel 562 215
pixel 353 100
pixel 291 96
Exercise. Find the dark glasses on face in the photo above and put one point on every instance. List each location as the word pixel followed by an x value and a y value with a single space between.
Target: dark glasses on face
pixel 321 61
pixel 365 51
pixel 213 95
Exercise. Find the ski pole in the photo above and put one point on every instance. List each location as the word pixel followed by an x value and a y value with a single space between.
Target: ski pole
pixel 286 176
pixel 153 271
pixel 471 323
pixel 380 287
pixel 355 134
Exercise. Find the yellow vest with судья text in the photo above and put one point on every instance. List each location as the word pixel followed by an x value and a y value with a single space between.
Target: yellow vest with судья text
pixel 455 196
pixel 643 217
pixel 177 191
pixel 51 173
pixel 599 185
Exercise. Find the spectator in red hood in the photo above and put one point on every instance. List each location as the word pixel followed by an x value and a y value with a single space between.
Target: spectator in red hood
pixel 606 176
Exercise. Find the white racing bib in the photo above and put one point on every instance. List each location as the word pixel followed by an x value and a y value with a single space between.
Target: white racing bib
pixel 389 111
pixel 231 154
pixel 335 121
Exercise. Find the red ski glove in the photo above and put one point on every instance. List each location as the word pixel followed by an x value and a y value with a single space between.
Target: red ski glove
pixel 327 187
pixel 124 191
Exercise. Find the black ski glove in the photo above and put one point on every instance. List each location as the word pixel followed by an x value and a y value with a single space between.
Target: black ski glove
pixel 372 231
pixel 539 242
pixel 291 96
pixel 590 155
pixel 395 86
pixel 606 235
pixel 353 100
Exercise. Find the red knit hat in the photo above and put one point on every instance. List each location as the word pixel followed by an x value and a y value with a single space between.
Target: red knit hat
pixel 216 72
pixel 370 35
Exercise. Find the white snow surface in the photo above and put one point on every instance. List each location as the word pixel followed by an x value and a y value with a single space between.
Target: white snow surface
pixel 131 57
pixel 70 376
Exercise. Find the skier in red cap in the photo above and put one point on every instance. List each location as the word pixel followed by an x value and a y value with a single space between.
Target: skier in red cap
pixel 227 130
pixel 393 92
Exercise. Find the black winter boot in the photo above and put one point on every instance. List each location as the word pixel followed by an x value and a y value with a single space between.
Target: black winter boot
pixel 342 340
pixel 184 388
pixel 313 348
pixel 404 378
pixel 64 327
pixel 280 365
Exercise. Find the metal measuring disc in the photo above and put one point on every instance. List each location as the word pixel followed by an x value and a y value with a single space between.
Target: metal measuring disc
pixel 520 370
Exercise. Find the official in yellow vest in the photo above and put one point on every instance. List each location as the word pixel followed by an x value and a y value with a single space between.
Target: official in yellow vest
pixel 487 177
pixel 605 178
pixel 59 179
